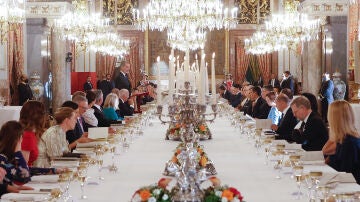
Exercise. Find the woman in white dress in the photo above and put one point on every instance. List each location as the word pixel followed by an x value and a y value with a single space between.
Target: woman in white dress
pixel 53 142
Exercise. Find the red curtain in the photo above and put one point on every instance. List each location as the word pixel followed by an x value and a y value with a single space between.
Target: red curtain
pixel 133 59
pixel 242 62
pixel 105 64
pixel 265 66
pixel 15 59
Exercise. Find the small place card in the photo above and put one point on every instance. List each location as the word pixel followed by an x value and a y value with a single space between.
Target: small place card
pixel 98 132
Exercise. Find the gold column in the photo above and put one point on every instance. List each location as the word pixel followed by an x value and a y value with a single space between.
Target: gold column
pixel 146 51
pixel 227 51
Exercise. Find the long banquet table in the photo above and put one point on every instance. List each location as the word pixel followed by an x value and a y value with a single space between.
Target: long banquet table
pixel 234 158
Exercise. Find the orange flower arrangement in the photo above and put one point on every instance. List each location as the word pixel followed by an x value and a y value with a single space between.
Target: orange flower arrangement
pixel 227 194
pixel 145 194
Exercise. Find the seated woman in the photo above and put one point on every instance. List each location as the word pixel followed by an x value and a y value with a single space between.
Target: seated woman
pixel 89 116
pixel 343 133
pixel 110 106
pixel 274 113
pixel 32 118
pixel 53 142
pixel 11 158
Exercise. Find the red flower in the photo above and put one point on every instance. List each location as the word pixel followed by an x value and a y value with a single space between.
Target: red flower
pixel 236 193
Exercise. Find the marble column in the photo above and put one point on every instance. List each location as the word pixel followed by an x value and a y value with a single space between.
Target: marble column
pixel 60 71
pixel 312 67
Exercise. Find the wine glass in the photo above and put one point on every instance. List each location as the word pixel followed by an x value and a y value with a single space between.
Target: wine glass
pixel 99 151
pixel 82 175
pixel 267 142
pixel 314 177
pixel 279 157
pixel 298 173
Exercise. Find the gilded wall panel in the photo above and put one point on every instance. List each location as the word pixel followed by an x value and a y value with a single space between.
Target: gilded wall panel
pixel 119 11
pixel 249 10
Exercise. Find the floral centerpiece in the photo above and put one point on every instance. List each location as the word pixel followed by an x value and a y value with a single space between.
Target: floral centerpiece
pixel 174 131
pixel 222 194
pixel 153 193
pixel 159 193
pixel 203 160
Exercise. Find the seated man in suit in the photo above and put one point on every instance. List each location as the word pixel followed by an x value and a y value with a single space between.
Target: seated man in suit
pixel 126 105
pixel 236 96
pixel 224 93
pixel 246 104
pixel 102 121
pixel 312 133
pixel 260 109
pixel 287 123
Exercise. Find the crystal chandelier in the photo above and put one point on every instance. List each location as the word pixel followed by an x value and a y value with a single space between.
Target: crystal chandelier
pixel 185 14
pixel 185 20
pixel 11 12
pixel 185 39
pixel 284 31
pixel 85 28
pixel 110 44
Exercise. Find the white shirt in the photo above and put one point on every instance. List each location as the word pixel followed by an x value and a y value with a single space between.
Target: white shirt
pixel 90 117
pixel 97 106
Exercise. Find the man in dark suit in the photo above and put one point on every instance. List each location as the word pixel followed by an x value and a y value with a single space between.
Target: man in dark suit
pixel 88 85
pixel 126 105
pixel 236 96
pixel 312 133
pixel 102 121
pixel 287 122
pixel 288 82
pixel 274 82
pixel 224 93
pixel 260 109
pixel 121 78
pixel 106 85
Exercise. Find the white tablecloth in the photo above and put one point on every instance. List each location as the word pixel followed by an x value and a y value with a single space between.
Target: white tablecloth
pixel 8 113
pixel 235 160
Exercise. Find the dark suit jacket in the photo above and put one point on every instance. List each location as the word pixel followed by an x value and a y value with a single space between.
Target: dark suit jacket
pixel 125 109
pixel 106 86
pixel 87 86
pixel 326 91
pixel 247 108
pixel 276 83
pixel 314 135
pixel 73 135
pixel 235 100
pixel 288 83
pixel 102 121
pixel 261 109
pixel 122 82
pixel 226 95
pixel 25 93
pixel 286 126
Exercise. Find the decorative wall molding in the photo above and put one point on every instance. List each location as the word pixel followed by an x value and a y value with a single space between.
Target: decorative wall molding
pixel 47 9
pixel 325 7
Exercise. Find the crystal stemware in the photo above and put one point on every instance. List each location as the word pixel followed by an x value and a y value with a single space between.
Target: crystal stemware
pixel 299 177
pixel 82 175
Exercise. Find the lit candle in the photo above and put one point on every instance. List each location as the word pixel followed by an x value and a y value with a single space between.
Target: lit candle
pixel 158 92
pixel 171 77
pixel 213 84
pixel 202 72
pixel 187 64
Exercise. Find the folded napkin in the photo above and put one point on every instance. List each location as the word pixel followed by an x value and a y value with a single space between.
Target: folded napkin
pixel 24 197
pixel 312 156
pixel 275 142
pixel 89 144
pixel 339 177
pixel 293 147
pixel 45 178
pixel 60 163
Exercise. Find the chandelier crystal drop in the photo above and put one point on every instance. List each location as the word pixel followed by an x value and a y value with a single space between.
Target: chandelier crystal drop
pixel 110 44
pixel 11 12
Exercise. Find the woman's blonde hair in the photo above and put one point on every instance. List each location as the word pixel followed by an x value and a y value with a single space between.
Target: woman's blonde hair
pixel 341 121
pixel 112 100
pixel 63 113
